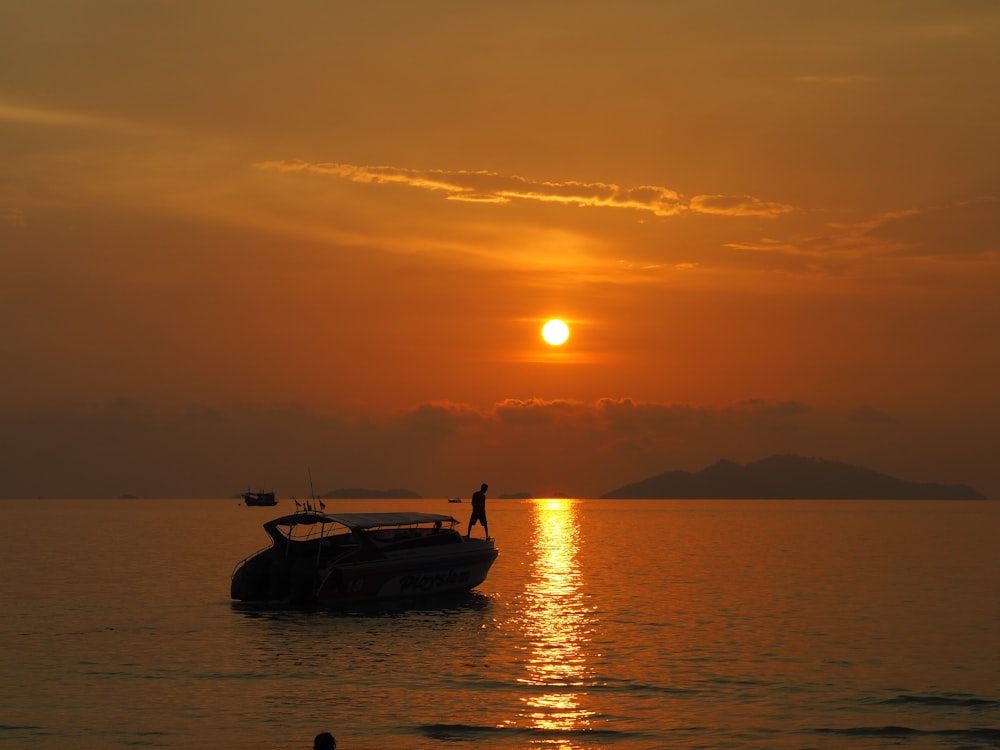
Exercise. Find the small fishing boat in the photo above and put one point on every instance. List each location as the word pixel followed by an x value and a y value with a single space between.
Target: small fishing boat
pixel 328 559
pixel 454 499
pixel 259 498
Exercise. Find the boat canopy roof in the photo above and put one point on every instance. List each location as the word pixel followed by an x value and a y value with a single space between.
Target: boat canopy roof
pixel 362 520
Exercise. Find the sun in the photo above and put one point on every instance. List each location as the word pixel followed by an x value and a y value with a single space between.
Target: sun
pixel 555 332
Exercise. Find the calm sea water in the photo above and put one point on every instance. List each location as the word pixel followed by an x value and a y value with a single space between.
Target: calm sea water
pixel 604 624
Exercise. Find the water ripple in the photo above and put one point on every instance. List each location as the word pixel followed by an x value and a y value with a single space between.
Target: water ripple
pixel 973 734
pixel 469 731
pixel 942 700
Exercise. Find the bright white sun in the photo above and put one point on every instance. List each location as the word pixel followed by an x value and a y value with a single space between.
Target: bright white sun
pixel 555 332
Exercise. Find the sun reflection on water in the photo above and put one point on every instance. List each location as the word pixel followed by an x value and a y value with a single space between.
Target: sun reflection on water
pixel 558 626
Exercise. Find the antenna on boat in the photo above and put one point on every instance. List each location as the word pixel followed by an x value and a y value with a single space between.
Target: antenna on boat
pixel 312 492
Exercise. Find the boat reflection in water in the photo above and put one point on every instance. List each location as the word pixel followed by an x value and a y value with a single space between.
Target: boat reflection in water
pixel 558 626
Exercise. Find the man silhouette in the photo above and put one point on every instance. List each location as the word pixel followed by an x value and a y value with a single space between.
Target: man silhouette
pixel 479 511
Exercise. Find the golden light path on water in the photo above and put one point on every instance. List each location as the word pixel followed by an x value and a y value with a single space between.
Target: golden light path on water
pixel 557 625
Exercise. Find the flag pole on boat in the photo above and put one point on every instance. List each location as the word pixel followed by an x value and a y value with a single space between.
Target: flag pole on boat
pixel 312 492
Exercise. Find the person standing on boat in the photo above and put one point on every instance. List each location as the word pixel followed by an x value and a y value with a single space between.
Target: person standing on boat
pixel 479 511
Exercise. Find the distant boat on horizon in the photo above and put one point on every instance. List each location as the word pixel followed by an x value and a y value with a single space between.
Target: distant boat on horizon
pixel 259 498
pixel 454 499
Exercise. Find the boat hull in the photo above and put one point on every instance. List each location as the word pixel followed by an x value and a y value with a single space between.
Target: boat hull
pixel 259 498
pixel 406 577
pixel 381 556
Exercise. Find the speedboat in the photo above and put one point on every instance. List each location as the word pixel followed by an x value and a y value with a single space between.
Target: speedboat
pixel 259 498
pixel 327 559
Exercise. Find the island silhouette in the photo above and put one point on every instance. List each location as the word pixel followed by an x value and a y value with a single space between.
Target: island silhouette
pixel 788 477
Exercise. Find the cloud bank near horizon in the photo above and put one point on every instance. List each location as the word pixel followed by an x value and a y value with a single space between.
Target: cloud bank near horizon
pixel 438 449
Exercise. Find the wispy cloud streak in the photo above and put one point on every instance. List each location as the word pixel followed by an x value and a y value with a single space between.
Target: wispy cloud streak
pixel 42 116
pixel 490 187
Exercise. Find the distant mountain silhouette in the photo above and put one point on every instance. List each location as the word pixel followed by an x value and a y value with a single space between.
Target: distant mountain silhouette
pixel 788 477
pixel 359 493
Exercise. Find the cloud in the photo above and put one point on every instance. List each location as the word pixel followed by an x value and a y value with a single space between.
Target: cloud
pixel 963 231
pixel 871 415
pixel 490 187
pixel 737 205
pixel 767 245
pixel 19 114
pixel 583 448
pixel 834 80
pixel 12 216
pixel 768 410
pixel 438 418
pixel 967 229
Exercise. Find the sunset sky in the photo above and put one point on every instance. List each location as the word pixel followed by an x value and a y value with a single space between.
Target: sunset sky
pixel 243 241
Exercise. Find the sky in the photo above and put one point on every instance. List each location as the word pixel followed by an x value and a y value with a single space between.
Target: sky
pixel 246 243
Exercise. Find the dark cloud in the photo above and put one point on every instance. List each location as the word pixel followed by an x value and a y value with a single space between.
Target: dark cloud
pixel 871 415
pixel 439 418
pixel 781 410
pixel 437 449
pixel 965 230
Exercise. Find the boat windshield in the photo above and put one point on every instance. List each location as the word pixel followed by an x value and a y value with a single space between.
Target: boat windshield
pixel 302 527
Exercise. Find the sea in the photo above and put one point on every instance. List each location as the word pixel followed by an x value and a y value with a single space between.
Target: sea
pixel 625 624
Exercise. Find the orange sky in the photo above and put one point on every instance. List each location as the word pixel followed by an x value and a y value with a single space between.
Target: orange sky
pixel 237 243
